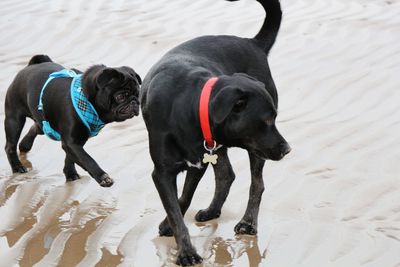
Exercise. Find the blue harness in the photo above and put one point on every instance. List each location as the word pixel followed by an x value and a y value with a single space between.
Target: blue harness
pixel 82 106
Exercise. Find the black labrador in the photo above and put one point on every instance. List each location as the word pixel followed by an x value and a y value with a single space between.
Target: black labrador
pixel 242 112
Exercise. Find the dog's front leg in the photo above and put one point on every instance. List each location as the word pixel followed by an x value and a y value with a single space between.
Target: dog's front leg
pixel 77 154
pixel 165 183
pixel 192 179
pixel 224 176
pixel 248 224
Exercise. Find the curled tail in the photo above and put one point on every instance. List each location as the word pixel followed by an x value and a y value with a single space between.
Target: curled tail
pixel 37 59
pixel 272 22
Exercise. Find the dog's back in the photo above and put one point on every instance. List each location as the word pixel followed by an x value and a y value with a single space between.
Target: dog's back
pixel 23 93
pixel 218 55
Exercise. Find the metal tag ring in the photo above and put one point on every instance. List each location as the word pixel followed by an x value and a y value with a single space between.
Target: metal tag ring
pixel 209 149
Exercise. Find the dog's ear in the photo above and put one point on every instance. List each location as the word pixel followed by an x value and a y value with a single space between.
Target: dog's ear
pixel 132 73
pixel 108 75
pixel 138 78
pixel 226 101
pixel 245 75
pixel 76 71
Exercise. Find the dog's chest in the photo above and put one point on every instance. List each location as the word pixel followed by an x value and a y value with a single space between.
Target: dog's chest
pixel 197 164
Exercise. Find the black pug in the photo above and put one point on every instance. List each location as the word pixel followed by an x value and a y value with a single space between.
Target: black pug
pixel 242 112
pixel 112 92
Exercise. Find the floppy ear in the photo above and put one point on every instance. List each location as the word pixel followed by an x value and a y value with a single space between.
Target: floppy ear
pixel 225 101
pixel 245 75
pixel 138 78
pixel 76 71
pixel 133 73
pixel 106 76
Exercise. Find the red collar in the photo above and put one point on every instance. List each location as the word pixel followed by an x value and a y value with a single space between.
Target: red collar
pixel 203 112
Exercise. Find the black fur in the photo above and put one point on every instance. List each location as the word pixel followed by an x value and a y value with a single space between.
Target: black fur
pixel 39 59
pixel 243 109
pixel 101 85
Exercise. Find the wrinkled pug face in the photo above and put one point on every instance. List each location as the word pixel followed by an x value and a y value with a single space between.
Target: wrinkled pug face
pixel 243 115
pixel 117 93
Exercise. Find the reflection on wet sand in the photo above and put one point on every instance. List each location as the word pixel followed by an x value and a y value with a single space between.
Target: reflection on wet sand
pixel 14 235
pixel 225 251
pixel 45 218
pixel 9 191
pixel 74 250
pixel 108 259
pixel 217 251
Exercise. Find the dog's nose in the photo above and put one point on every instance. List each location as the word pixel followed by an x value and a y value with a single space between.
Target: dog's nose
pixel 285 149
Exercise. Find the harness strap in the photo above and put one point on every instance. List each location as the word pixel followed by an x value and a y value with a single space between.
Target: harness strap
pixel 85 110
pixel 81 104
pixel 62 73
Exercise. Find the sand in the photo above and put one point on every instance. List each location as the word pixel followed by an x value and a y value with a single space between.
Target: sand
pixel 334 201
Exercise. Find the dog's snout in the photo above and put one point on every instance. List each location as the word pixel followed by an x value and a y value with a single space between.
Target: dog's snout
pixel 285 148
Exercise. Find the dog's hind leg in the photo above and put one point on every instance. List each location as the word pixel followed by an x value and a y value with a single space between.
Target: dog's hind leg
pixel 13 125
pixel 69 169
pixel 248 224
pixel 26 143
pixel 193 177
pixel 224 176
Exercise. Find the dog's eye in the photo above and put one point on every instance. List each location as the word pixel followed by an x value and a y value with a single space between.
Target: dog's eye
pixel 240 105
pixel 121 97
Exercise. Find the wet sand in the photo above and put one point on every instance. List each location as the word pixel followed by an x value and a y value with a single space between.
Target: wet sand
pixel 334 201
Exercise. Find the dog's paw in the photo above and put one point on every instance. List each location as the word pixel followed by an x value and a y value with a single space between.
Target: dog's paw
pixel 245 228
pixel 188 258
pixel 164 229
pixel 106 181
pixel 19 169
pixel 72 177
pixel 206 215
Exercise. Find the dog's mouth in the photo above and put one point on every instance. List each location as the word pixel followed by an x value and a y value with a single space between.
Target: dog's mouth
pixel 275 152
pixel 129 110
pixel 269 154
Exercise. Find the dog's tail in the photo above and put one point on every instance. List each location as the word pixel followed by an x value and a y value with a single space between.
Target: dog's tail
pixel 272 22
pixel 37 59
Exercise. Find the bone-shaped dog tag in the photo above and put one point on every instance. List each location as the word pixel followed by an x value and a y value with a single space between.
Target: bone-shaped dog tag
pixel 210 158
